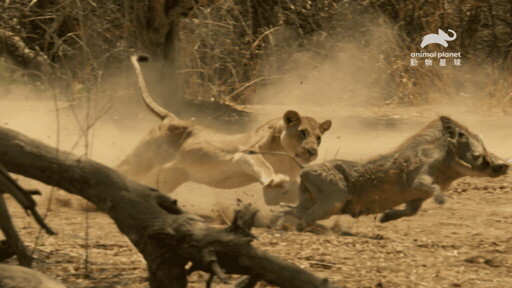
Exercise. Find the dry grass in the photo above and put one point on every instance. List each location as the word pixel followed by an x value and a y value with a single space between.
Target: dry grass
pixel 227 51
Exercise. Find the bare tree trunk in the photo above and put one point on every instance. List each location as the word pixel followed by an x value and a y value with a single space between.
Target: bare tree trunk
pixel 167 237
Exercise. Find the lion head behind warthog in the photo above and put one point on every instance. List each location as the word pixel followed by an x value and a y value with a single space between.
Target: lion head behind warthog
pixel 422 167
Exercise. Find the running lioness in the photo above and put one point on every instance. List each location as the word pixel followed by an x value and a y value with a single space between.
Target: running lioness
pixel 177 151
pixel 422 167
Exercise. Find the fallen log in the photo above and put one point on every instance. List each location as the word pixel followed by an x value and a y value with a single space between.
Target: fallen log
pixel 166 236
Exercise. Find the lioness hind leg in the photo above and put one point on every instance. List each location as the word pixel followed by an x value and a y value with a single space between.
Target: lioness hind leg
pixel 411 208
pixel 169 178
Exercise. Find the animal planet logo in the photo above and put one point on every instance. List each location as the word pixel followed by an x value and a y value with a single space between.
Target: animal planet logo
pixel 440 38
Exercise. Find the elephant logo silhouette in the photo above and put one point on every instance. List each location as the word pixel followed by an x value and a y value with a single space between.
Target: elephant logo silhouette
pixel 440 38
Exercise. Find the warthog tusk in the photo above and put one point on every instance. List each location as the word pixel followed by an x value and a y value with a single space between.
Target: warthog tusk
pixel 509 160
pixel 465 164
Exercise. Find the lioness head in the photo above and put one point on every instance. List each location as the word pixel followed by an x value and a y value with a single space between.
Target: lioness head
pixel 303 135
pixel 471 157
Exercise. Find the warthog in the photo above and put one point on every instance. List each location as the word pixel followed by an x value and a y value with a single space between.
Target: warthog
pixel 423 166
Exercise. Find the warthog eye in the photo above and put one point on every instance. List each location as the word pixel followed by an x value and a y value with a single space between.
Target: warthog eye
pixel 462 136
pixel 485 163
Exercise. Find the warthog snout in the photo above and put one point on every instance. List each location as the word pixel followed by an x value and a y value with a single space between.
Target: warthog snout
pixel 500 169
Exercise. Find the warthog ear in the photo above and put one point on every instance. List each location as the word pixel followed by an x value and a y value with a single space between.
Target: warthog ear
pixel 449 127
pixel 325 126
pixel 291 117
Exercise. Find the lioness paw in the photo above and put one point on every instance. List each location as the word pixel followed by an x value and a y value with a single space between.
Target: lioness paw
pixel 276 181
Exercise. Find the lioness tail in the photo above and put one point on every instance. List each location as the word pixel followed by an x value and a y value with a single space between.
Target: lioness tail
pixel 150 103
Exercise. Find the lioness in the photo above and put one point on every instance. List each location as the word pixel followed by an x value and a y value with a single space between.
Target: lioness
pixel 423 166
pixel 177 151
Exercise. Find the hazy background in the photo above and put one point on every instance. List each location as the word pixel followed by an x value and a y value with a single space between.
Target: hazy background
pixel 65 77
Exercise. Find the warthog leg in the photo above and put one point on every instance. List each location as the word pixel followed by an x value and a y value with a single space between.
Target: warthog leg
pixel 319 199
pixel 426 186
pixel 440 198
pixel 411 208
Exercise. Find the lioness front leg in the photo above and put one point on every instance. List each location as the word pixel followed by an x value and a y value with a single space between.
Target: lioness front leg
pixel 278 195
pixel 257 166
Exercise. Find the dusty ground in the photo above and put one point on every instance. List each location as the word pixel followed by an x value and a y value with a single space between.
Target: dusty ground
pixel 465 243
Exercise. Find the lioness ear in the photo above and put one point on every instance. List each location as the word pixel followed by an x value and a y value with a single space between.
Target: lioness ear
pixel 449 128
pixel 291 117
pixel 325 126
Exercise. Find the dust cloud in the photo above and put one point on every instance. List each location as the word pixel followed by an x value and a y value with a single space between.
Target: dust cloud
pixel 343 86
pixel 350 84
pixel 331 71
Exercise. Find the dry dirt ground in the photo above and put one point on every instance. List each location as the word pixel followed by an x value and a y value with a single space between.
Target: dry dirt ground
pixel 465 243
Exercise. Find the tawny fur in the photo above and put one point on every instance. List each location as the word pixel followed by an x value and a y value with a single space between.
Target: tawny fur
pixel 177 151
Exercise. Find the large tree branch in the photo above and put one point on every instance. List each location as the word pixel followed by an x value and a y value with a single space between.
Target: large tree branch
pixel 167 237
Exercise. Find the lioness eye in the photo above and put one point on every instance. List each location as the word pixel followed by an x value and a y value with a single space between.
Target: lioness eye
pixel 318 139
pixel 302 134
